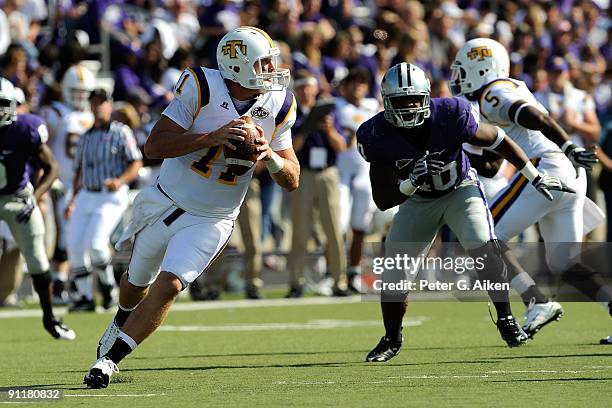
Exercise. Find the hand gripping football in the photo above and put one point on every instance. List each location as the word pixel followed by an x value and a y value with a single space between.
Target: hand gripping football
pixel 239 161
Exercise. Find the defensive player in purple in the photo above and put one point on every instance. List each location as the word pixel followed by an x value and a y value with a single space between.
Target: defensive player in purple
pixel 22 152
pixel 415 151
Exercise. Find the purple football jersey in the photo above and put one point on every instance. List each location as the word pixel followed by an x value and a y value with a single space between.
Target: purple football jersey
pixel 450 125
pixel 19 144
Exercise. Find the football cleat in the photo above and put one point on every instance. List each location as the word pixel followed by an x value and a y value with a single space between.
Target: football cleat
pixel 58 330
pixel 511 332
pixel 355 284
pixel 108 339
pixel 295 292
pixel 252 292
pixel 539 315
pixel 385 350
pixel 83 305
pixel 100 373
pixel 606 340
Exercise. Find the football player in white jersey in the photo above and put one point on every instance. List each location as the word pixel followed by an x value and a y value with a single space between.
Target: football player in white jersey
pixel 480 73
pixel 355 190
pixel 183 222
pixel 67 120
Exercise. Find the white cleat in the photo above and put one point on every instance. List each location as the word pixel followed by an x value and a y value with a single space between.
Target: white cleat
pixel 108 339
pixel 59 330
pixel 100 373
pixel 606 340
pixel 539 315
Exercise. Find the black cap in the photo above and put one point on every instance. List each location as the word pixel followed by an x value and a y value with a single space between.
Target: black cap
pixel 101 94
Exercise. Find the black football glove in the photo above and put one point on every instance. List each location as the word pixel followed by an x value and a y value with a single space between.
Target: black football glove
pixel 23 216
pixel 544 184
pixel 425 166
pixel 581 157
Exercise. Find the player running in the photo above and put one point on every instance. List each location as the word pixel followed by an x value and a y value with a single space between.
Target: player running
pixel 22 152
pixel 416 159
pixel 481 74
pixel 184 221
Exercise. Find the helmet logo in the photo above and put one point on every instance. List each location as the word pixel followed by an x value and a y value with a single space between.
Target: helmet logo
pixel 231 46
pixel 480 53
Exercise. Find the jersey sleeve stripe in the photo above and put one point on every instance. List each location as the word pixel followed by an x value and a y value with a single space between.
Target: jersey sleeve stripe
pixel 203 89
pixel 291 109
pixel 282 114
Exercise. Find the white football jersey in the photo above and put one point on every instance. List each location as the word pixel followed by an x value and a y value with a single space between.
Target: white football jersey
pixel 66 136
pixel 351 117
pixel 494 104
pixel 200 182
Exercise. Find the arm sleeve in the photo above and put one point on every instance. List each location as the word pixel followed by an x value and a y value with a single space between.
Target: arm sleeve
pixel 495 103
pixel 186 103
pixel 281 138
pixel 78 152
pixel 38 132
pixel 130 147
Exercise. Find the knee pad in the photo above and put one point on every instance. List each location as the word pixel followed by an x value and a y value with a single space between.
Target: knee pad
pixel 99 257
pixel 490 256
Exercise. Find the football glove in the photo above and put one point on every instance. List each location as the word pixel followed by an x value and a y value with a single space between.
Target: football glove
pixel 581 157
pixel 544 184
pixel 425 166
pixel 24 215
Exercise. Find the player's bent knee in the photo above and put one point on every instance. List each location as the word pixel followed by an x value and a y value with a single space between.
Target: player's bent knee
pixel 170 284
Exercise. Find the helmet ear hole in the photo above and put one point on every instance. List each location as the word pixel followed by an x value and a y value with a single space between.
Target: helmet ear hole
pixel 481 72
pixel 236 69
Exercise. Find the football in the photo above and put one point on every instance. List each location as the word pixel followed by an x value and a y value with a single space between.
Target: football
pixel 239 161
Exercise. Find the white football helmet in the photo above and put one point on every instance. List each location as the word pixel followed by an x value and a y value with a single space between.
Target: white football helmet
pixel 77 84
pixel 405 79
pixel 8 102
pixel 244 53
pixel 477 63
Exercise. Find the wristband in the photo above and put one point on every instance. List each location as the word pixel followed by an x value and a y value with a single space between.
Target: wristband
pixel 529 171
pixel 565 146
pixel 275 164
pixel 407 187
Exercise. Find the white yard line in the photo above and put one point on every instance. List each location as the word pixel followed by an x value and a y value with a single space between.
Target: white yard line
pixel 310 325
pixel 112 395
pixel 220 305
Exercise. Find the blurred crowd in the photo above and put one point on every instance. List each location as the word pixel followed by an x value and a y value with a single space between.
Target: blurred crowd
pixel 338 49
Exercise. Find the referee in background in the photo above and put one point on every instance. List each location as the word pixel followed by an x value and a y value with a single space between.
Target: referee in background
pixel 107 159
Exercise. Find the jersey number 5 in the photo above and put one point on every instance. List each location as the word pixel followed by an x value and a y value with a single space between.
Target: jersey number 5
pixel 494 100
pixel 204 167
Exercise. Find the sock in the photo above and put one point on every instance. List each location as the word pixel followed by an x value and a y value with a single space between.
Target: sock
pixel 588 282
pixel 353 270
pixel 42 286
pixel 503 309
pixel 393 314
pixel 526 287
pixel 104 272
pixel 122 315
pixel 84 284
pixel 123 346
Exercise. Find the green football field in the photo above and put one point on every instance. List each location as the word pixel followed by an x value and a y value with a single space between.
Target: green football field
pixel 277 353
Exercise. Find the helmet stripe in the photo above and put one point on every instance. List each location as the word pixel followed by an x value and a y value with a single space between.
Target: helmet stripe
pixel 408 79
pixel 399 76
pixel 262 32
pixel 79 72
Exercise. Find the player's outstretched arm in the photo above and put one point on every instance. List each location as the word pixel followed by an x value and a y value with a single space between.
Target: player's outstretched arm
pixel 46 161
pixel 385 186
pixel 168 139
pixel 495 139
pixel 531 118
